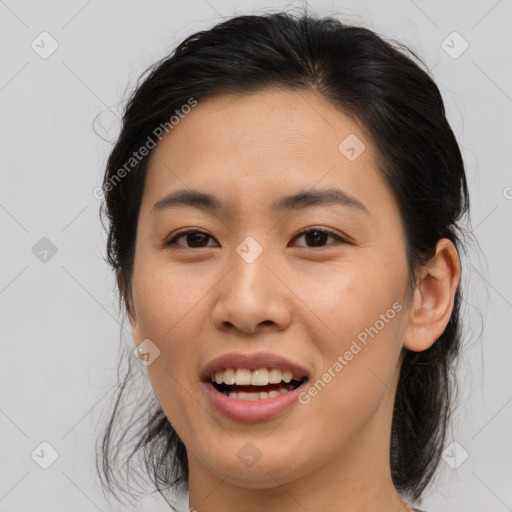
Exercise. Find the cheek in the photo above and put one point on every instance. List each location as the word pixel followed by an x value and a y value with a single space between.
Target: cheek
pixel 170 313
pixel 358 316
pixel 168 306
pixel 359 360
pixel 167 299
pixel 343 300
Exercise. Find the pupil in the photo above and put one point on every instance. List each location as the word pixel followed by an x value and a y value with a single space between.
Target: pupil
pixel 317 239
pixel 194 237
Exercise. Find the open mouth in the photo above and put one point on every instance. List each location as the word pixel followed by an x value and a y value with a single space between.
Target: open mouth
pixel 252 392
pixel 251 387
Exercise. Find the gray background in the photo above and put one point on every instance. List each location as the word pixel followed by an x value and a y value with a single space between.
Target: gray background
pixel 60 329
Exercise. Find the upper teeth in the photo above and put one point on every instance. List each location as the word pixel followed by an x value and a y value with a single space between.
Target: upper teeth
pixel 259 377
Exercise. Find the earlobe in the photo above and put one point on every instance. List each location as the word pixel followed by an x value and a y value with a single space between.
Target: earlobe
pixel 433 299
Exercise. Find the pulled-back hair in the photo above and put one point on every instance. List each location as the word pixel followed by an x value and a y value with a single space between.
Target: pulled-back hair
pixel 383 86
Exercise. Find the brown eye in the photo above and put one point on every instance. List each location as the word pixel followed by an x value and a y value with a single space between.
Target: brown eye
pixel 197 239
pixel 194 238
pixel 317 237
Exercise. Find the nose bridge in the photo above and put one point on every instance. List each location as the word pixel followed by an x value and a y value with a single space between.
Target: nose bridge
pixel 250 274
pixel 250 293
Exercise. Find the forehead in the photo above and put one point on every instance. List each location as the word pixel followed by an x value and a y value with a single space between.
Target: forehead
pixel 278 121
pixel 248 145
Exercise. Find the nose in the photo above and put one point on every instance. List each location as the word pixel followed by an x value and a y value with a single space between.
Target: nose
pixel 251 297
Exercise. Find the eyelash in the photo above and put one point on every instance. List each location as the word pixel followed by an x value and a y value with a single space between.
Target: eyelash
pixel 172 241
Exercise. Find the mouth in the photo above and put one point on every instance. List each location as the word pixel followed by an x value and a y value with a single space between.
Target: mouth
pixel 254 387
pixel 251 392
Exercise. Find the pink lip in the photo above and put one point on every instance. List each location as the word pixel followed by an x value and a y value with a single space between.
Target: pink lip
pixel 258 410
pixel 246 411
pixel 252 362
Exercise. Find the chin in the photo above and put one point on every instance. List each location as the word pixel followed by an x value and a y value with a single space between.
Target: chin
pixel 259 464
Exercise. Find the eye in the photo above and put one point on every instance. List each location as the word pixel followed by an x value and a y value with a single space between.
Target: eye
pixel 318 236
pixel 197 239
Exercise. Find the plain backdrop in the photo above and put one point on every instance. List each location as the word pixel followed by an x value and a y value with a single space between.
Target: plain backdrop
pixel 59 326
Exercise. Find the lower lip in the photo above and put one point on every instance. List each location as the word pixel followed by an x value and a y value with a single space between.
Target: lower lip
pixel 250 411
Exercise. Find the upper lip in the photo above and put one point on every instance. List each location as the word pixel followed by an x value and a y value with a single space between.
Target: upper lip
pixel 252 362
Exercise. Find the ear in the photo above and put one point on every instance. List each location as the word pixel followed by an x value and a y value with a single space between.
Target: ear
pixel 432 302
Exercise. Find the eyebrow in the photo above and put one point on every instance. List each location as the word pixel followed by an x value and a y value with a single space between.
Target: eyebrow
pixel 298 201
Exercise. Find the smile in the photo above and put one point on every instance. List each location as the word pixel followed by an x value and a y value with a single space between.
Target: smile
pixel 252 387
pixel 259 384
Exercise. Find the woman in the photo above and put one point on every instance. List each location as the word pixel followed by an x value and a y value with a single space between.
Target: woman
pixel 284 203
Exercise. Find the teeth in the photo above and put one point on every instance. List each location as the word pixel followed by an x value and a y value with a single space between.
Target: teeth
pixel 229 376
pixel 252 397
pixel 275 376
pixel 287 376
pixel 259 377
pixel 242 377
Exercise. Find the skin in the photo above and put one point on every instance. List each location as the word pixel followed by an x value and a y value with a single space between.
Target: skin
pixel 304 302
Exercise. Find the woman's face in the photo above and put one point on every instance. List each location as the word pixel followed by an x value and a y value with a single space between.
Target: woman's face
pixel 249 283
